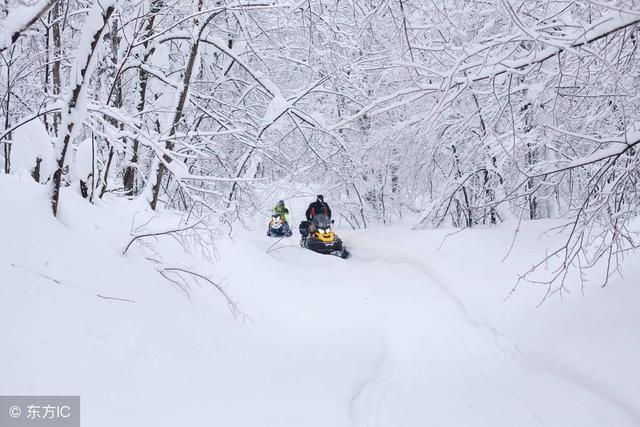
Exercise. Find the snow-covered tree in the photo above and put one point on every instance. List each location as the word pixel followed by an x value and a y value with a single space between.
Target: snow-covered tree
pixel 454 112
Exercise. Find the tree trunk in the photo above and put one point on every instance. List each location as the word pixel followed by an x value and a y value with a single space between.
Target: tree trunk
pixel 35 173
pixel 7 122
pixel 55 68
pixel 78 80
pixel 114 38
pixel 131 165
pixel 182 100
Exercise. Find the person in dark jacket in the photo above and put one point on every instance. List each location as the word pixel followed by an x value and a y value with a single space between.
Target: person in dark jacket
pixel 318 207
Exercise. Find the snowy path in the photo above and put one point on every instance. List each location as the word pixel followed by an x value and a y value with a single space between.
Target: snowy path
pixel 440 367
pixel 392 337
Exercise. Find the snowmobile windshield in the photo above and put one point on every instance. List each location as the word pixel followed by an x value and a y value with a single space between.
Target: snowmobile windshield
pixel 322 221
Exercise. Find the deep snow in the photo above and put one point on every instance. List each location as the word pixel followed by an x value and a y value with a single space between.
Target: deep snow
pixel 405 333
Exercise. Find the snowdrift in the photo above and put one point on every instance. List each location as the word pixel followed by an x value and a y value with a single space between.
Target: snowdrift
pixel 402 334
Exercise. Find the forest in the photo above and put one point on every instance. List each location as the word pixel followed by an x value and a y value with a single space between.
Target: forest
pixel 443 112
pixel 450 191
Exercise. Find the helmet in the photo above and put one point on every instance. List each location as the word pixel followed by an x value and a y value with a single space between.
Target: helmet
pixel 280 202
pixel 321 197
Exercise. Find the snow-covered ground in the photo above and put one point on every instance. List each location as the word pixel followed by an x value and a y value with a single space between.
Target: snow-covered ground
pixel 407 332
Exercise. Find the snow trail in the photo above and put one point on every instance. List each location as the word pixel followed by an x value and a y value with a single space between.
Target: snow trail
pixel 438 365
pixel 388 338
pixel 444 366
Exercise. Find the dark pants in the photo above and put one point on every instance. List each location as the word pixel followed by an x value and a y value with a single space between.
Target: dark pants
pixel 304 228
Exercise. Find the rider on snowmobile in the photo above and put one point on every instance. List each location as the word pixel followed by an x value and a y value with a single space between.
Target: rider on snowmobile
pixel 318 207
pixel 279 223
pixel 281 210
pixel 316 233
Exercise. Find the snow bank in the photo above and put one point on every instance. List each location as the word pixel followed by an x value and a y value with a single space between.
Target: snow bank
pixel 584 338
pixel 400 334
pixel 164 359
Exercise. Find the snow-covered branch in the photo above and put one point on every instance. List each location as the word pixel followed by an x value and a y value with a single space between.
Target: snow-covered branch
pixel 19 19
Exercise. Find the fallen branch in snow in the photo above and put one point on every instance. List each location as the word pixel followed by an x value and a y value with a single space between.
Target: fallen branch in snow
pixel 233 306
pixel 114 298
pixel 159 233
pixel 273 248
pixel 446 236
pixel 37 273
pixel 60 282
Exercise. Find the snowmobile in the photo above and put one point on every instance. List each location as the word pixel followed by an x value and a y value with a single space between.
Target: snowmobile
pixel 318 236
pixel 278 227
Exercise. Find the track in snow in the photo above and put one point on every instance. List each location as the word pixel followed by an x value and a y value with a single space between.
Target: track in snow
pixel 442 367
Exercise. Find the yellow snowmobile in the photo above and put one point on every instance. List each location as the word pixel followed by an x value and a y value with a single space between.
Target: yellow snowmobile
pixel 318 236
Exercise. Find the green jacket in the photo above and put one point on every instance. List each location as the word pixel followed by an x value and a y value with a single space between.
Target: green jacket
pixel 282 211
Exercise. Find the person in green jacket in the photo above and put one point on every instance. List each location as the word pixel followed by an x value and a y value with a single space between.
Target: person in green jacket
pixel 281 210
